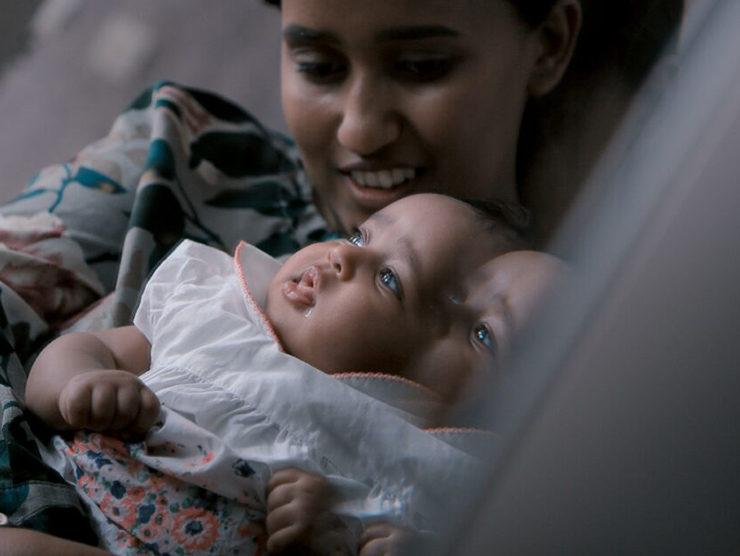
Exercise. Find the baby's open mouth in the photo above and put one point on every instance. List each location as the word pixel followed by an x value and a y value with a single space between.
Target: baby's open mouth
pixel 302 290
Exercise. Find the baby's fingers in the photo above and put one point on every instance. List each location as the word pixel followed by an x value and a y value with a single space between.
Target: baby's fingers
pixel 75 404
pixel 287 538
pixel 384 539
pixel 293 484
pixel 102 407
pixel 376 547
pixel 284 517
pixel 285 476
pixel 148 410
pixel 126 406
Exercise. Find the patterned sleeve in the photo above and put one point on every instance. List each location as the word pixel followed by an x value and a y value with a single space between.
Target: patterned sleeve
pixel 177 163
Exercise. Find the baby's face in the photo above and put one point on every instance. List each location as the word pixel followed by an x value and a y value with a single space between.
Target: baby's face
pixel 380 301
pixel 490 308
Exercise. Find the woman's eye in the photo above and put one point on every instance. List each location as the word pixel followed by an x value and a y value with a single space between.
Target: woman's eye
pixel 483 336
pixel 356 238
pixel 391 281
pixel 424 69
pixel 319 67
pixel 321 71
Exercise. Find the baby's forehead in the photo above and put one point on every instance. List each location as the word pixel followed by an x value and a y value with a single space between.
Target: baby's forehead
pixel 446 230
pixel 522 269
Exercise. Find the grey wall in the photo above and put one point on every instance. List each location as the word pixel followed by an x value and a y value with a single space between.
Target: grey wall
pixel 63 91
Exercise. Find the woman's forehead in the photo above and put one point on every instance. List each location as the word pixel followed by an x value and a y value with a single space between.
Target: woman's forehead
pixel 459 16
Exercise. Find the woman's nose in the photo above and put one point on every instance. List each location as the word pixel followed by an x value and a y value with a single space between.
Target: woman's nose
pixel 370 121
pixel 344 260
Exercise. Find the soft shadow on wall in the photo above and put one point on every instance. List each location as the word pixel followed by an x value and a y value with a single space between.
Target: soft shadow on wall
pixel 85 60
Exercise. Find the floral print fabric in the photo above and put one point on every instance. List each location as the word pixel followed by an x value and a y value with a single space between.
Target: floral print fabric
pixel 45 269
pixel 152 512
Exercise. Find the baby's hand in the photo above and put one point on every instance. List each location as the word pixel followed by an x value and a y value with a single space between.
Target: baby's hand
pixel 384 539
pixel 108 401
pixel 297 510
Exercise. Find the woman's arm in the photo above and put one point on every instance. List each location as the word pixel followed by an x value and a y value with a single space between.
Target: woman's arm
pixel 89 380
pixel 25 542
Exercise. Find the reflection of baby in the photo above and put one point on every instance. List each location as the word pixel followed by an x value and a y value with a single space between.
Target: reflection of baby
pixel 410 294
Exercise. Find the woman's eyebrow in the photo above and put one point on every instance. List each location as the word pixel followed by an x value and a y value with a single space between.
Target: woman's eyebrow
pixel 296 34
pixel 417 32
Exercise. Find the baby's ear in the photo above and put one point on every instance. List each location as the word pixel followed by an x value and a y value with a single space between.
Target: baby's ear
pixel 556 36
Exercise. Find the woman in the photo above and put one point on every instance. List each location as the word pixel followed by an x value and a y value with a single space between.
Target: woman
pixel 416 96
pixel 383 99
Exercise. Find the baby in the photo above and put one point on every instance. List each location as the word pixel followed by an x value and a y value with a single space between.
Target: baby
pixel 418 293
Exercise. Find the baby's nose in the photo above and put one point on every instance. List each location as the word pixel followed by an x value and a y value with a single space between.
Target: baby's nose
pixel 343 260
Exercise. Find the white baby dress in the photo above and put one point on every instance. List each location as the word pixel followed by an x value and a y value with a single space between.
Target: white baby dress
pixel 236 408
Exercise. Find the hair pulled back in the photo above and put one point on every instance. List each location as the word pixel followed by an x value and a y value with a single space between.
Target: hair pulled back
pixel 532 12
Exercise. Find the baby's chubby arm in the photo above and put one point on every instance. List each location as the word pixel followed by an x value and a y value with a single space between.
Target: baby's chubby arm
pixel 90 381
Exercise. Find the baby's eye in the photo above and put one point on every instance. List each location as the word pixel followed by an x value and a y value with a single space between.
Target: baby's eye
pixel 391 281
pixel 483 336
pixel 356 238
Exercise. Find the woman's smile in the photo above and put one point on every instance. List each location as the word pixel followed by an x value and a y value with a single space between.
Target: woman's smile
pixel 383 179
pixel 373 190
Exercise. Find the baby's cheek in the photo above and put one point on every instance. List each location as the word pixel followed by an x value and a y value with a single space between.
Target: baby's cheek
pixel 446 367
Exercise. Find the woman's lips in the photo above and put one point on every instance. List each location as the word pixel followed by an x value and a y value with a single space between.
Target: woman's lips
pixel 383 179
pixel 302 291
pixel 375 197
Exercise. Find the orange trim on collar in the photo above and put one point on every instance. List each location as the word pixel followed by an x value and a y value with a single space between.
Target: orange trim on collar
pixel 468 430
pixel 383 376
pixel 250 298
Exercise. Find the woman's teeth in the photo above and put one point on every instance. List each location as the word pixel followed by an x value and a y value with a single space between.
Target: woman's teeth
pixel 385 179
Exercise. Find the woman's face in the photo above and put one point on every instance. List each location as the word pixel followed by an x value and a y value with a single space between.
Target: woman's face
pixel 393 97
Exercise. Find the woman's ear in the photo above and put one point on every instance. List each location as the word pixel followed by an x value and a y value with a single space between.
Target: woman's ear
pixel 556 38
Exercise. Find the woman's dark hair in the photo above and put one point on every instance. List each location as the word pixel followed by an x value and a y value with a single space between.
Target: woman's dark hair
pixel 532 12
pixel 507 219
pixel 626 36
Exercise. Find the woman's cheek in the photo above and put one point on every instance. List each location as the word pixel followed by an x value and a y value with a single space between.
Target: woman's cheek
pixel 309 113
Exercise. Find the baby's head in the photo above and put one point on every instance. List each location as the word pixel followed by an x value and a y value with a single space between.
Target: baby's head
pixel 404 295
